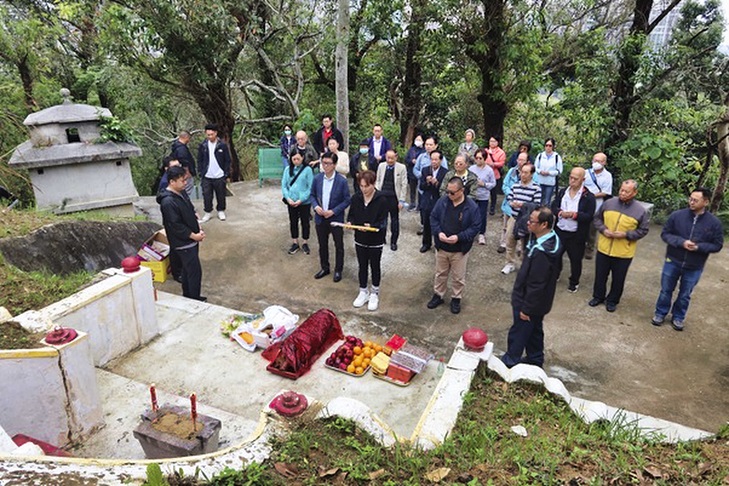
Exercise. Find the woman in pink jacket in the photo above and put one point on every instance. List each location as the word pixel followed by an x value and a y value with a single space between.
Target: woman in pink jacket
pixel 495 158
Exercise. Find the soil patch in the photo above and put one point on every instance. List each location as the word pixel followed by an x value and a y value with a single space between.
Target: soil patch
pixel 178 425
pixel 13 336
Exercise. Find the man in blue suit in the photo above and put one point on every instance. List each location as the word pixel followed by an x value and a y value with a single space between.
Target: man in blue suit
pixel 378 147
pixel 329 198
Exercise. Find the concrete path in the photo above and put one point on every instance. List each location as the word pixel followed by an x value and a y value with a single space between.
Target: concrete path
pixel 619 358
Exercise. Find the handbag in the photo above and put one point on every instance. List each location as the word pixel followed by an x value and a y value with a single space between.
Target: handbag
pixel 291 183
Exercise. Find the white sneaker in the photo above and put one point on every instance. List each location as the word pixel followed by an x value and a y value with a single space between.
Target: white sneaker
pixel 206 217
pixel 508 268
pixel 361 298
pixel 221 215
pixel 374 302
pixel 481 240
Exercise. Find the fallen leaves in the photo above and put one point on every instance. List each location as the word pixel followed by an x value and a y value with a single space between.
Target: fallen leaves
pixel 437 475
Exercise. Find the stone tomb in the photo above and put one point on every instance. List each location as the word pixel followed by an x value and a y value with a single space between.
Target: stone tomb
pixel 69 169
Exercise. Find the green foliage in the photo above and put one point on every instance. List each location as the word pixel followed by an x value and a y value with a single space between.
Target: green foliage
pixel 113 129
pixel 252 475
pixel 155 476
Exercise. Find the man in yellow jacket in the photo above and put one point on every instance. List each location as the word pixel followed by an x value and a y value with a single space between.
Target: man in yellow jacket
pixel 621 222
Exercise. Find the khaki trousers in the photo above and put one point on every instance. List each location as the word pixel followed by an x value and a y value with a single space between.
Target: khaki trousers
pixel 454 264
pixel 510 240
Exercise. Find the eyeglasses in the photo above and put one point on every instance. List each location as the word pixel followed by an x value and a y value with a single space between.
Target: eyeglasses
pixel 694 200
pixel 532 222
pixel 453 193
pixel 327 163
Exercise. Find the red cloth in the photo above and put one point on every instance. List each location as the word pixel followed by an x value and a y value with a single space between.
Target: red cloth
pixel 294 356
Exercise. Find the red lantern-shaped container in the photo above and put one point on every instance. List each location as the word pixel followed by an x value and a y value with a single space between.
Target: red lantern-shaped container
pixel 475 339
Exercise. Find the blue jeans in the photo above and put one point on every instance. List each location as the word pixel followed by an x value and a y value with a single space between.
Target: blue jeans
pixel 285 162
pixel 483 211
pixel 669 278
pixel 525 335
pixel 547 193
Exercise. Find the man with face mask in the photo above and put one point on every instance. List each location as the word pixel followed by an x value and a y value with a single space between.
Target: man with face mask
pixel 600 183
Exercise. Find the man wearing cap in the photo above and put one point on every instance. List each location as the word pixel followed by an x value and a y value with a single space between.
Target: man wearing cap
pixel 213 163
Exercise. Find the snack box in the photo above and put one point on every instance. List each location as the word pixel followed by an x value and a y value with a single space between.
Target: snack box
pixel 396 342
pixel 154 255
pixel 399 373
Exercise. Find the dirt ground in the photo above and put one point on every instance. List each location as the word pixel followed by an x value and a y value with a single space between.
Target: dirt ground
pixel 619 358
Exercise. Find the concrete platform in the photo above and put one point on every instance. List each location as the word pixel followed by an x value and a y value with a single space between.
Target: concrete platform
pixel 191 355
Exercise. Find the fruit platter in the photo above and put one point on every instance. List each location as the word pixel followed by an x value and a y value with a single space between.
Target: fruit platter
pixel 353 356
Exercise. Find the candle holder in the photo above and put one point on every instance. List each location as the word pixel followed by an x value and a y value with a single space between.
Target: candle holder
pixel 168 432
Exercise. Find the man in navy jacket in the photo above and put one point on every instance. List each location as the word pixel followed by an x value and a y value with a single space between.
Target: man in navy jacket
pixel 378 147
pixel 213 163
pixel 329 198
pixel 691 235
pixel 534 288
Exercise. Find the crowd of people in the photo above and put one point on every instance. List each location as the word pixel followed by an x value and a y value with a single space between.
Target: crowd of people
pixel 540 220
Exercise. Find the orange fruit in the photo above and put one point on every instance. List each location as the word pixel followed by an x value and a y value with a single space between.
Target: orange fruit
pixel 358 370
pixel 366 362
pixel 368 344
pixel 357 350
pixel 357 361
pixel 351 368
pixel 378 348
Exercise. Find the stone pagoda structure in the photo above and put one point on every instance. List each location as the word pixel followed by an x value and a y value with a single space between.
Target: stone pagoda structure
pixel 69 168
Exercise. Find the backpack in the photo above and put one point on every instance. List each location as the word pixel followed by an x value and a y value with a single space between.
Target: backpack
pixel 520 226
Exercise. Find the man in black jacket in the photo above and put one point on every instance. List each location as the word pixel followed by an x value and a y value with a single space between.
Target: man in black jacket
pixel 183 231
pixel 533 293
pixel 574 208
pixel 431 179
pixel 325 132
pixel 181 152
pixel 213 163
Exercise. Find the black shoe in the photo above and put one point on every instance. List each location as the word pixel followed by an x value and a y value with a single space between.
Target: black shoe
pixel 435 301
pixel 611 307
pixel 202 299
pixel 573 288
pixel 294 248
pixel 306 249
pixel 492 212
pixel 595 302
pixel 177 278
pixel 424 248
pixel 455 305
pixel 337 276
pixel 393 246
pixel 321 274
pixel 677 325
pixel 419 232
pixel 501 249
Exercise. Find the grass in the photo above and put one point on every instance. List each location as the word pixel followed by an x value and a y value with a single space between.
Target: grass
pixel 21 291
pixel 482 450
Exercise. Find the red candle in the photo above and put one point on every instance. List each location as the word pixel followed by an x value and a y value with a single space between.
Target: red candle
pixel 193 409
pixel 153 392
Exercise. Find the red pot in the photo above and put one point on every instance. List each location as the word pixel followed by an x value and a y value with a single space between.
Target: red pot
pixel 475 339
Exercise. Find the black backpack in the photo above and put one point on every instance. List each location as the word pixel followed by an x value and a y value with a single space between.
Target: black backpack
pixel 520 226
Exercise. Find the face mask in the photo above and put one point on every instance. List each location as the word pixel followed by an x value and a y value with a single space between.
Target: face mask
pixel 287 132
pixel 363 150
pixel 418 143
pixel 596 166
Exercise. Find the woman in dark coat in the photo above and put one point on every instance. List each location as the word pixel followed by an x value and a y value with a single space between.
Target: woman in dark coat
pixel 368 208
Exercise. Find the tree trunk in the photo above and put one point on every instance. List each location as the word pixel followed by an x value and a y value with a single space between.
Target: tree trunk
pixel 723 152
pixel 342 71
pixel 483 42
pixel 27 79
pixel 412 99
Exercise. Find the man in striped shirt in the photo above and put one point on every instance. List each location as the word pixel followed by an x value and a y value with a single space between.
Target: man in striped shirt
pixel 524 192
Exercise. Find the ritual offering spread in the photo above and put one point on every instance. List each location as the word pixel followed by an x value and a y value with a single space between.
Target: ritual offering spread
pixel 400 361
pixel 353 357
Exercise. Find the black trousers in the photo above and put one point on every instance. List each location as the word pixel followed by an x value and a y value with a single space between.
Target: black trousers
pixel 574 246
pixel 394 213
pixel 210 186
pixel 175 264
pixel 413 190
pixel 427 232
pixel 525 335
pixel 495 191
pixel 369 257
pixel 191 272
pixel 300 213
pixel 604 266
pixel 323 231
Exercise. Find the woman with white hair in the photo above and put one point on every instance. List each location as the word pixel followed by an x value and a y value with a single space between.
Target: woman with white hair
pixel 469 147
